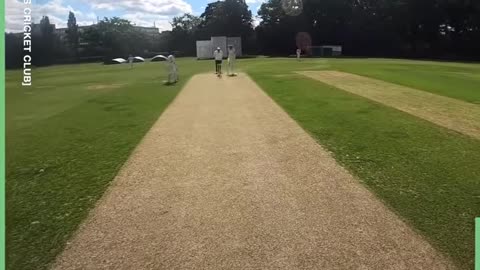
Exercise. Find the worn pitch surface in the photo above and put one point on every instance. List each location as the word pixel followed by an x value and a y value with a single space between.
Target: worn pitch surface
pixel 451 113
pixel 227 180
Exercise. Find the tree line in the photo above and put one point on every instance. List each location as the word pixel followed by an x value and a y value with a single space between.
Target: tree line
pixel 109 38
pixel 405 28
pixel 381 28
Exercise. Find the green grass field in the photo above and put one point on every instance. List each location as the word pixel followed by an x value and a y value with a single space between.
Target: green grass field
pixel 69 134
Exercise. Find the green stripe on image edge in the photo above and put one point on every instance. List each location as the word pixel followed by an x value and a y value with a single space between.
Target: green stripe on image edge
pixel 2 132
pixel 477 243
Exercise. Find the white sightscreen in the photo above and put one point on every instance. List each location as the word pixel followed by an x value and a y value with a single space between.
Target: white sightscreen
pixel 204 49
pixel 219 42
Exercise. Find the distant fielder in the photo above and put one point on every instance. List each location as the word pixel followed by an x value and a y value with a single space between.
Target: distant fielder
pixel 218 55
pixel 232 57
pixel 299 54
pixel 130 60
pixel 172 69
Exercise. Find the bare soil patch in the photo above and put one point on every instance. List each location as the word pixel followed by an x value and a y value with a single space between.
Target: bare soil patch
pixel 104 86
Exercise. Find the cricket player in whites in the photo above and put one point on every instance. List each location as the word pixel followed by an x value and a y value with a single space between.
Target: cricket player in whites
pixel 172 70
pixel 218 55
pixel 232 56
pixel 130 60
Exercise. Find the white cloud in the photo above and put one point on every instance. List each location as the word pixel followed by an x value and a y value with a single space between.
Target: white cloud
pixel 140 12
pixel 255 1
pixel 56 11
pixel 157 7
pixel 14 16
pixel 143 19
pixel 256 21
pixel 145 12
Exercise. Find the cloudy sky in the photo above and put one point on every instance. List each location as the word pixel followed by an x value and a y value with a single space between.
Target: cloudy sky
pixel 139 12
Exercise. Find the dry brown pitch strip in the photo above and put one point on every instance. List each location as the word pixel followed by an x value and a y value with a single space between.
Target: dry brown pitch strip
pixel 451 113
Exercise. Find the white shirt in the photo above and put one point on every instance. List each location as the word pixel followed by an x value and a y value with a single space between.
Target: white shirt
pixel 218 55
pixel 231 53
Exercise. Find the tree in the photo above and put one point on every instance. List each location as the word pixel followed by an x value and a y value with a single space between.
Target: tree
pixel 226 18
pixel 72 31
pixel 184 32
pixel 46 27
pixel 277 30
pixel 117 37
pixel 43 43
pixel 13 50
pixel 411 28
pixel 186 23
pixel 163 42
